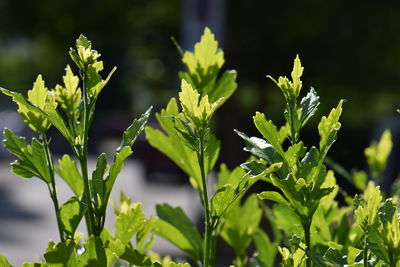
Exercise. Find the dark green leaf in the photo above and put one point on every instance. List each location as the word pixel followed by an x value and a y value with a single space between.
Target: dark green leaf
pixel 130 135
pixel 132 256
pixel 177 228
pixel 62 253
pixel 308 105
pixel 115 169
pixel 98 183
pixel 71 213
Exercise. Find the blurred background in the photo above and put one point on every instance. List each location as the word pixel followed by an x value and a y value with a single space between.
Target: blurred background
pixel 350 50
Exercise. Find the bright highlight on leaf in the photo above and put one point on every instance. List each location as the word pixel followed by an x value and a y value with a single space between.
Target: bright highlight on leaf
pixel 198 110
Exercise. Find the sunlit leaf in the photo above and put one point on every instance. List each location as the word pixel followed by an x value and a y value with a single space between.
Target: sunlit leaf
pixel 71 213
pixel 70 174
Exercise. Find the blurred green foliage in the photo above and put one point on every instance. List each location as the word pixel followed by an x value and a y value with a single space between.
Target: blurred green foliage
pixel 134 35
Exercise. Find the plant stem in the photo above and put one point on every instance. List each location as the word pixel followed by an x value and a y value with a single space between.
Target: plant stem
pixel 208 223
pixel 83 162
pixel 365 252
pixel 52 185
pixel 307 236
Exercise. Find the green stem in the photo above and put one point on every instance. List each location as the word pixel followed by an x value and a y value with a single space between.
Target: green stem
pixel 89 217
pixel 52 186
pixel 208 222
pixel 365 252
pixel 292 113
pixel 307 236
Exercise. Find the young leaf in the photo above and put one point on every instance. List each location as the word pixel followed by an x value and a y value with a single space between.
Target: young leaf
pixel 171 144
pixel 128 221
pixel 68 171
pixel 130 135
pixel 199 110
pixel 378 153
pixel 291 89
pixel 328 128
pixel 70 95
pixel 71 213
pixel 203 65
pixel 176 227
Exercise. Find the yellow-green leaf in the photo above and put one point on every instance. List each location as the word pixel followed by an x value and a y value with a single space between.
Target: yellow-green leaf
pixel 206 55
pixel 378 153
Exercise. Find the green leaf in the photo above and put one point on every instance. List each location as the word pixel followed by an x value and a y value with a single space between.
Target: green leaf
pixel 115 169
pixel 31 112
pixel 386 211
pixel 171 144
pixel 32 158
pixel 296 74
pixel 360 179
pixel 69 96
pixel 176 227
pixel 287 220
pixel 132 256
pixel 130 135
pixel 265 249
pixel 224 88
pixel 71 213
pixel 143 242
pixel 197 108
pixel 239 233
pixel 294 153
pixel 308 106
pixel 377 153
pixel 94 255
pixel 274 196
pixel 62 254
pixel 328 128
pixel 291 89
pixel 98 184
pixel 68 171
pixel 226 189
pixel 269 131
pixel 203 65
pixel 4 262
pixel 261 148
pixel 129 221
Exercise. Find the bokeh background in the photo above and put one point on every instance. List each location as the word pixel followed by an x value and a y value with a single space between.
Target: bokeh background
pixel 350 50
